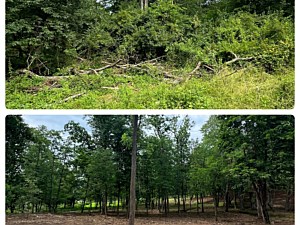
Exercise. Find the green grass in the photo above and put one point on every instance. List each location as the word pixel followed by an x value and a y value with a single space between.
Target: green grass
pixel 250 88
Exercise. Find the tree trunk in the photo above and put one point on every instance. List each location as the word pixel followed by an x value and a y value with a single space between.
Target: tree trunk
pixel 250 197
pixel 261 193
pixel 202 203
pixel 183 202
pixel 226 198
pixel 241 197
pixel 168 205
pixel 133 171
pixel 288 200
pixel 100 204
pixel 235 203
pixel 197 196
pixel 216 206
pixel 165 205
pixel 104 203
pixel 51 186
pixel 85 196
pixel 178 203
pixel 146 4
pixel 118 205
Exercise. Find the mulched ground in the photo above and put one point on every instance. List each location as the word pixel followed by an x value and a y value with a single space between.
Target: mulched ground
pixel 207 218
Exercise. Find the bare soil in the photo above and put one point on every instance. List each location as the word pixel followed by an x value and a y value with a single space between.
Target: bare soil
pixel 207 218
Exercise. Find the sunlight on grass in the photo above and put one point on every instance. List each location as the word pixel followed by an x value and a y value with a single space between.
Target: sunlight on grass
pixel 248 88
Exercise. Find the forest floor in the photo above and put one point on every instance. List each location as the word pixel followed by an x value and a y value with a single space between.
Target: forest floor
pixel 207 218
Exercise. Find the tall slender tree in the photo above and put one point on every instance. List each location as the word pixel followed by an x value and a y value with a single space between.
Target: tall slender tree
pixel 133 171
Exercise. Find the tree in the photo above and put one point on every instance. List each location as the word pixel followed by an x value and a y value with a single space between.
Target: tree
pixel 133 171
pixel 102 175
pixel 181 134
pixel 208 163
pixel 17 137
pixel 255 149
pixel 83 148
pixel 109 132
pixel 43 36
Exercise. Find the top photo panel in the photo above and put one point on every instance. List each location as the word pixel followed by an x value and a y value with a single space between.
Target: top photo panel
pixel 156 54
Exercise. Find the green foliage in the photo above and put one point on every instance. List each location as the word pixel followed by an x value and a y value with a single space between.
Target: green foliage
pixel 257 6
pixel 253 149
pixel 60 38
pixel 269 39
pixel 146 34
pixel 74 165
pixel 249 88
pixel 41 35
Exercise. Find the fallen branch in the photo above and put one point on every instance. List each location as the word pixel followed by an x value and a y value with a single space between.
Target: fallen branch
pixel 193 71
pixel 72 97
pixel 96 71
pixel 110 88
pixel 196 68
pixel 236 58
pixel 209 68
pixel 151 60
pixel 108 66
pixel 170 76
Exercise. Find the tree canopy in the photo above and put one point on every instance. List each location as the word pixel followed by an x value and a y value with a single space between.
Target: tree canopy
pixel 48 170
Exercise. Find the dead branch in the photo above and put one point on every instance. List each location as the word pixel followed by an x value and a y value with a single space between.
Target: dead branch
pixel 238 59
pixel 108 66
pixel 72 97
pixel 194 71
pixel 170 76
pixel 32 74
pixel 81 59
pixel 209 68
pixel 111 88
pixel 151 60
pixel 96 71
pixel 196 68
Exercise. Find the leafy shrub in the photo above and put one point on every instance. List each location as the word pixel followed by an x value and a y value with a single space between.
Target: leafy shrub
pixel 147 34
pixel 267 38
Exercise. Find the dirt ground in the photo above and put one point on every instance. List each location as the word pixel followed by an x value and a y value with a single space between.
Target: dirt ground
pixel 207 218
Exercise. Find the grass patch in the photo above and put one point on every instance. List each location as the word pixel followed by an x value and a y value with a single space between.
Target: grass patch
pixel 250 88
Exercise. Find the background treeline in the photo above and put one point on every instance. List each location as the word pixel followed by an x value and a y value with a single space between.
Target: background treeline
pixel 47 36
pixel 238 158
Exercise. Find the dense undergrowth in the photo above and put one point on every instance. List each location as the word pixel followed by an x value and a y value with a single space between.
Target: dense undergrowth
pixel 254 40
pixel 248 88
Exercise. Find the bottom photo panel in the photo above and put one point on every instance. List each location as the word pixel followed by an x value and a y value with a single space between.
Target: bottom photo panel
pixel 150 169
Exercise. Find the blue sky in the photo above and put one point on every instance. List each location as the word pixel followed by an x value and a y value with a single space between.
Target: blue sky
pixel 57 122
pixel 54 122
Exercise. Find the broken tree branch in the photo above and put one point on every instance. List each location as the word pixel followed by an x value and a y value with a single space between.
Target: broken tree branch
pixel 110 88
pixel 72 97
pixel 108 66
pixel 196 68
pixel 238 59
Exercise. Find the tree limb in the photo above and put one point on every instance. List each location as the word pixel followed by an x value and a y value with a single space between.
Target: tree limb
pixel 196 68
pixel 72 97
pixel 238 59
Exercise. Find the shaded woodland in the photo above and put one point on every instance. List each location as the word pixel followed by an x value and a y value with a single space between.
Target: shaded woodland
pixel 243 165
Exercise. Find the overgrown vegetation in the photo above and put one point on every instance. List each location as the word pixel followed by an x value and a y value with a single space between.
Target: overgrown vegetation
pixel 195 44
